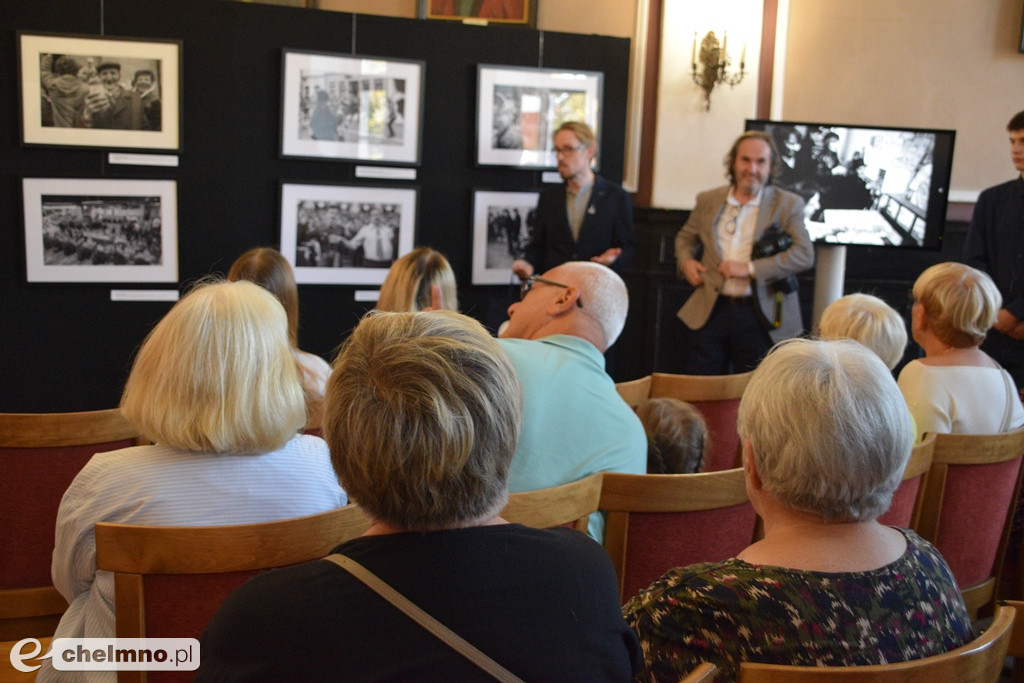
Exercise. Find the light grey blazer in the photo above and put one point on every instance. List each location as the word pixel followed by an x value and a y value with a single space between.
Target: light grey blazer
pixel 777 206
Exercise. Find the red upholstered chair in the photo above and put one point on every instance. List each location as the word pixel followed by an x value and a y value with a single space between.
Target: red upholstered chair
pixel 567 505
pixel 169 581
pixel 660 521
pixel 635 392
pixel 906 500
pixel 717 397
pixel 40 454
pixel 969 500
pixel 979 661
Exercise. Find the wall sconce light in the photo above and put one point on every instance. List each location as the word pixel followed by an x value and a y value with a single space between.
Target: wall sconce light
pixel 713 60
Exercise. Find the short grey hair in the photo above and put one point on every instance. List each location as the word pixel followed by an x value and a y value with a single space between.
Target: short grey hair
pixel 603 294
pixel 869 320
pixel 961 302
pixel 829 431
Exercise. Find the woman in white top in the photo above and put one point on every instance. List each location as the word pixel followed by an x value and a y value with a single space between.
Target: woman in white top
pixel 215 388
pixel 271 271
pixel 957 388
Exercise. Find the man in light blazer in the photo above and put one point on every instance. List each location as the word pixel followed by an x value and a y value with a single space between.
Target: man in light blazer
pixel 745 300
pixel 587 218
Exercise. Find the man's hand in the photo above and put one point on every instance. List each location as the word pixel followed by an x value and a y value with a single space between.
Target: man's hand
pixel 735 269
pixel 692 271
pixel 96 102
pixel 1006 323
pixel 522 268
pixel 1017 332
pixel 608 257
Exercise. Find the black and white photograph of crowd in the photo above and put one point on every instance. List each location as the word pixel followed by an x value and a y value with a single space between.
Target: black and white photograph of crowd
pixel 839 170
pixel 334 234
pixel 351 108
pixel 90 91
pixel 525 117
pixel 508 231
pixel 86 230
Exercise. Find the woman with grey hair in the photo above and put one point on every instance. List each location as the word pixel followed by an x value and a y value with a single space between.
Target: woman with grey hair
pixel 423 414
pixel 957 388
pixel 826 436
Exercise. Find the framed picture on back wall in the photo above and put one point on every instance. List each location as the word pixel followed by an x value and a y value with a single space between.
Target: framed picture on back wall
pixel 519 108
pixel 104 92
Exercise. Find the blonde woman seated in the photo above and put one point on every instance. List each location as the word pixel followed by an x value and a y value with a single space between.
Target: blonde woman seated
pixel 423 415
pixel 677 436
pixel 422 279
pixel 271 271
pixel 825 438
pixel 957 388
pixel 215 387
pixel 869 320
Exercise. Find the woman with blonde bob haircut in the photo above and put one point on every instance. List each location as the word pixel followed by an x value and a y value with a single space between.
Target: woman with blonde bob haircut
pixel 271 271
pixel 957 388
pixel 423 414
pixel 825 439
pixel 868 320
pixel 411 282
pixel 215 388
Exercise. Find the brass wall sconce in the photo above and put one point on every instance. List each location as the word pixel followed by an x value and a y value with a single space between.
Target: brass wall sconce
pixel 713 60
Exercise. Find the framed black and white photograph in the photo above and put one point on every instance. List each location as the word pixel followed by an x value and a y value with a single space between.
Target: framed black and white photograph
pixel 345 234
pixel 351 107
pixel 92 230
pixel 502 223
pixel 518 110
pixel 112 93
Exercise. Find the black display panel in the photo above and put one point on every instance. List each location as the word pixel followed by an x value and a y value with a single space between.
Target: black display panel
pixel 866 185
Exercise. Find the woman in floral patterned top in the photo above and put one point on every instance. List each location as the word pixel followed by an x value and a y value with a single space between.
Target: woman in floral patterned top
pixel 826 436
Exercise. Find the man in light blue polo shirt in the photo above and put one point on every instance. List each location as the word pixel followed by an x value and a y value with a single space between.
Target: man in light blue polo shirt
pixel 574 422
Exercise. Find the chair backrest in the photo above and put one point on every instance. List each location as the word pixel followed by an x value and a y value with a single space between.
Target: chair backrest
pixel 660 521
pixel 717 397
pixel 169 581
pixel 905 508
pixel 635 391
pixel 40 454
pixel 565 505
pixel 704 673
pixel 969 499
pixel 980 661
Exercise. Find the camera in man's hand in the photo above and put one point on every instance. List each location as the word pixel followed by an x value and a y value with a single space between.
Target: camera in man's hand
pixel 774 241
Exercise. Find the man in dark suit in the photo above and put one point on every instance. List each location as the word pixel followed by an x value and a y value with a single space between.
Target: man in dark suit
pixel 586 218
pixel 742 304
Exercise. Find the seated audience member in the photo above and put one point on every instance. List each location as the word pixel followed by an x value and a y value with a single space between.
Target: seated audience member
pixel 957 388
pixel 415 280
pixel 826 436
pixel 215 387
pixel 869 320
pixel 422 415
pixel 575 422
pixel 676 436
pixel 271 271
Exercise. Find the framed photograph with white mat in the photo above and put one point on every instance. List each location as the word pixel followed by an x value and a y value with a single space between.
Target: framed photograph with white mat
pixel 345 234
pixel 100 230
pixel 502 223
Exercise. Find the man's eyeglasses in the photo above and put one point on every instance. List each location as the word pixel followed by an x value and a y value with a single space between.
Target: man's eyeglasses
pixel 566 151
pixel 528 285
pixel 732 214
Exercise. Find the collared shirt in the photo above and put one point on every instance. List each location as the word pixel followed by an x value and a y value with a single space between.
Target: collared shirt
pixel 734 232
pixel 576 208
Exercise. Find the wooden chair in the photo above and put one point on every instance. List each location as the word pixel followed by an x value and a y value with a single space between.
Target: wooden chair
pixel 169 581
pixel 635 391
pixel 566 505
pixel 1016 644
pixel 718 400
pixel 704 673
pixel 980 661
pixel 660 521
pixel 969 499
pixel 905 509
pixel 40 454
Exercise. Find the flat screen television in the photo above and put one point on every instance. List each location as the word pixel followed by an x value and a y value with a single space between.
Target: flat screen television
pixel 866 185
